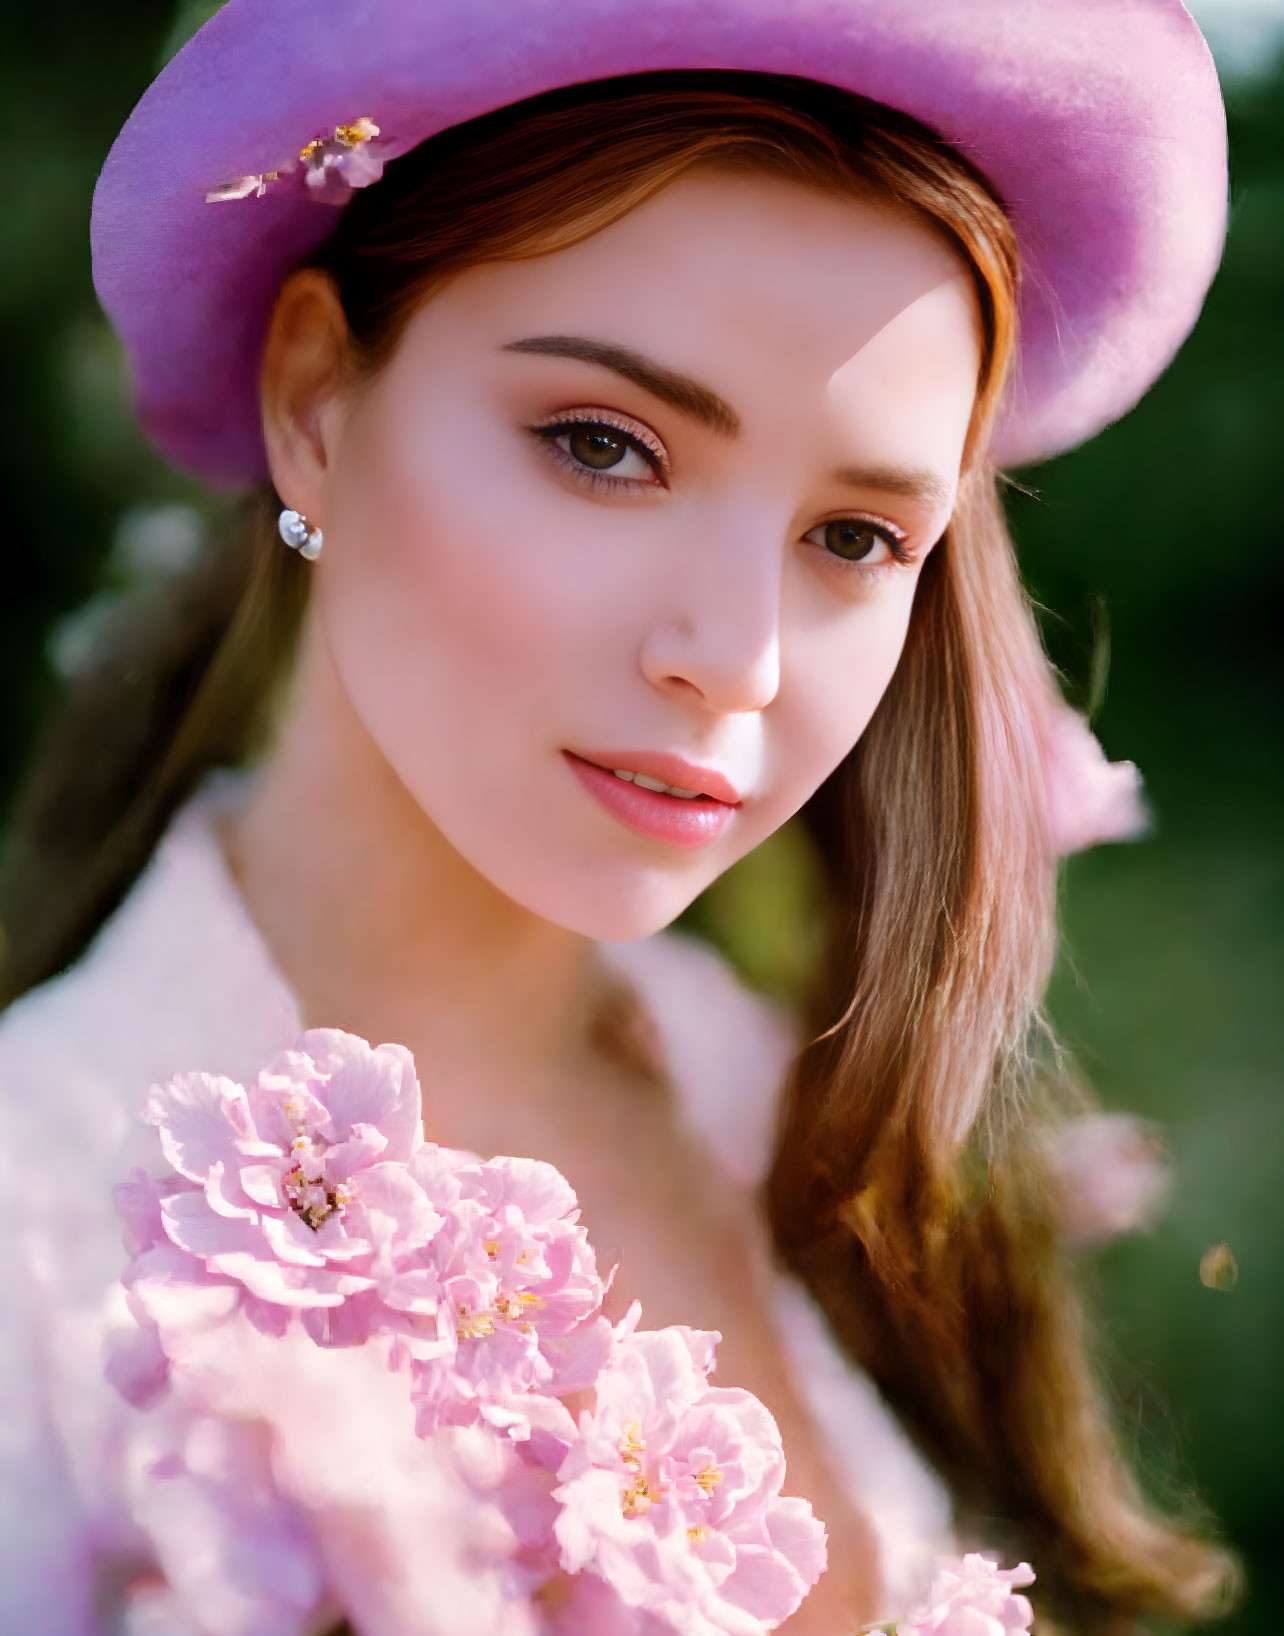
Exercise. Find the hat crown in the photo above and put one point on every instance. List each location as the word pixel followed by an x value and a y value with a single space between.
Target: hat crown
pixel 1099 122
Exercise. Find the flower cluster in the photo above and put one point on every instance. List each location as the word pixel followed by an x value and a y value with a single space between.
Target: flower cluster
pixel 307 1211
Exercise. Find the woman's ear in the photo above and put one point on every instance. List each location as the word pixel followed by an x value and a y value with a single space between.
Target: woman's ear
pixel 300 389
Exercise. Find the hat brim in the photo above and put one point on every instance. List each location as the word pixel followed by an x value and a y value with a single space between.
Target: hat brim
pixel 1099 122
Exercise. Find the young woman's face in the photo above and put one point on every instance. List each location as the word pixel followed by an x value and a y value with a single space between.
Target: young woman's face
pixel 657 505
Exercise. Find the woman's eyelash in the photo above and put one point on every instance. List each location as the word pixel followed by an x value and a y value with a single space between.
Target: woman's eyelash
pixel 899 553
pixel 652 452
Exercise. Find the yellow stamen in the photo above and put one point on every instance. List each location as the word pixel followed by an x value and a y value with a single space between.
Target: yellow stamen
pixel 475 1326
pixel 637 1497
pixel 633 1446
pixel 352 136
pixel 709 1478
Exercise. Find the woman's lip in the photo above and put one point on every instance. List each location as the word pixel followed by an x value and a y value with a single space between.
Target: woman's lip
pixel 687 823
pixel 669 769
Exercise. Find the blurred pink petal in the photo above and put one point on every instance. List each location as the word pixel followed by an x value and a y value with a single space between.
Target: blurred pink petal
pixel 1089 799
pixel 237 1555
pixel 1109 1174
pixel 972 1596
pixel 409 1541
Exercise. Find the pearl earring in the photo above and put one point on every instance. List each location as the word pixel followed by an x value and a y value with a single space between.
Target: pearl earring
pixel 299 534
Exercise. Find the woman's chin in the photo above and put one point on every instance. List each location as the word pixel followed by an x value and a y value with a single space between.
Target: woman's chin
pixel 609 906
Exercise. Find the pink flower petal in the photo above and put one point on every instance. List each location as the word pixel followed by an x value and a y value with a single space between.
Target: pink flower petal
pixel 765 1584
pixel 290 1240
pixel 362 1148
pixel 577 1359
pixel 1017 1613
pixel 1089 799
pixel 193 1226
pixel 365 1086
pixel 199 1117
pixel 300 1287
pixel 226 1197
pixel 173 1288
pixel 1109 1176
pixel 136 1366
pixel 396 1203
pixel 262 1184
pixel 265 1316
pixel 137 1204
pixel 287 1079
pixel 799 1534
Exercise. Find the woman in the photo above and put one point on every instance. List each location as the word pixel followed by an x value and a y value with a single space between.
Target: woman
pixel 636 435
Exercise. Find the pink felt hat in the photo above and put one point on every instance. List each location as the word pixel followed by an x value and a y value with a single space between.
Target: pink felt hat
pixel 1099 122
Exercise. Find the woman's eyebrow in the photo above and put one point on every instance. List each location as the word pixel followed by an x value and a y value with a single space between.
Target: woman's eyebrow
pixel 910 482
pixel 683 393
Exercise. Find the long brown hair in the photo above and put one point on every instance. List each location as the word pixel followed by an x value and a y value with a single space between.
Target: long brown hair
pixel 904 1188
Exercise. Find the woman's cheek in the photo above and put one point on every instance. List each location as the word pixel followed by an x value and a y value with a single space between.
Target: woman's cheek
pixel 835 687
pixel 433 647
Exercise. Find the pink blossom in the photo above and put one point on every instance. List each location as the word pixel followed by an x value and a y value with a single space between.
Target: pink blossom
pixel 972 1596
pixel 166 1289
pixel 333 166
pixel 519 1294
pixel 672 1494
pixel 1089 799
pixel 291 1197
pixel 1108 1174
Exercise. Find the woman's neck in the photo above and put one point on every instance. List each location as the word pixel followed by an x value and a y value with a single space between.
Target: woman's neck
pixel 382 928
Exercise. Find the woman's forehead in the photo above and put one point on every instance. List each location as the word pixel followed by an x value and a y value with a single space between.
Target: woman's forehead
pixel 716 264
pixel 753 298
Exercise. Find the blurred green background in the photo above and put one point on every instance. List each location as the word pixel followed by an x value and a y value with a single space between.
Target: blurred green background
pixel 1161 544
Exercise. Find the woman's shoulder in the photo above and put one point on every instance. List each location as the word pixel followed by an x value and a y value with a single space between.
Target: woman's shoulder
pixel 174 980
pixel 176 977
pixel 727 1048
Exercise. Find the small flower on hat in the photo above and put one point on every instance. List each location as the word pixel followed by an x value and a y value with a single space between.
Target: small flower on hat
pixel 337 164
pixel 242 187
pixel 333 166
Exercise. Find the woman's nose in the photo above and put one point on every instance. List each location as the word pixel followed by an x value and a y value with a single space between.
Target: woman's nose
pixel 719 637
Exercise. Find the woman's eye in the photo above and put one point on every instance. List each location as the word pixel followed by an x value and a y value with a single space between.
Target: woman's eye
pixel 857 541
pixel 597 448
